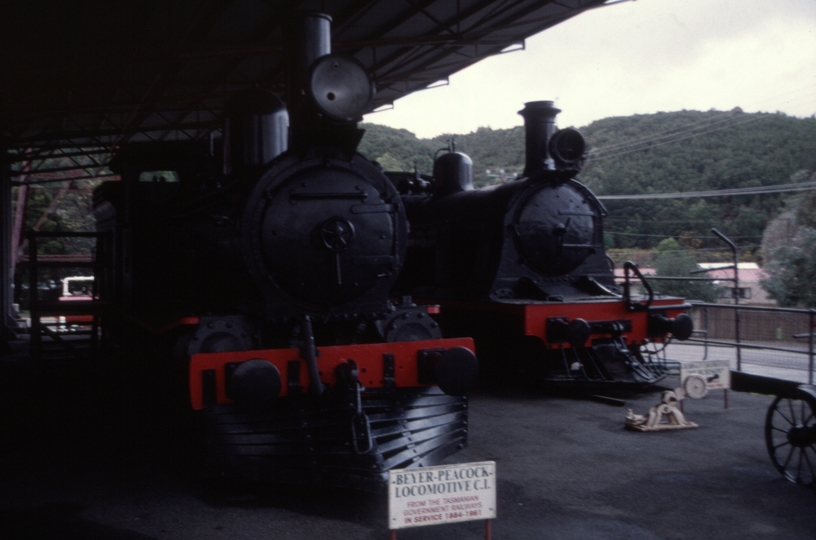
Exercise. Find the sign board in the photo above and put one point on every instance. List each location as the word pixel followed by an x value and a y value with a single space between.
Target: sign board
pixel 442 494
pixel 717 373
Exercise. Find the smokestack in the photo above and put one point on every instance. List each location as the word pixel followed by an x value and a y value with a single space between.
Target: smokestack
pixel 328 93
pixel 309 39
pixel 539 126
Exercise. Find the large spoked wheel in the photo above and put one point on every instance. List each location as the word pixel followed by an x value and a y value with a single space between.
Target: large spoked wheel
pixel 790 434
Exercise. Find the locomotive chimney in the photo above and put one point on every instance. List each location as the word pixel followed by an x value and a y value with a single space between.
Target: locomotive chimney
pixel 539 126
pixel 255 130
pixel 309 39
pixel 328 93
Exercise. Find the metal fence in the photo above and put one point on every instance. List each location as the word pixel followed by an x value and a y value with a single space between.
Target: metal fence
pixel 775 342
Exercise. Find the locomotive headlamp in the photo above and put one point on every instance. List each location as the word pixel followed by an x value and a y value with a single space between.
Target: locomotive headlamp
pixel 340 87
pixel 567 148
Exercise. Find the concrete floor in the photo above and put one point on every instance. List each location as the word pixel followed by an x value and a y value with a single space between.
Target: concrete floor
pixel 79 458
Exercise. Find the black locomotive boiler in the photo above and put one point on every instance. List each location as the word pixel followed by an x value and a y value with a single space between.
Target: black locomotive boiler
pixel 268 274
pixel 522 268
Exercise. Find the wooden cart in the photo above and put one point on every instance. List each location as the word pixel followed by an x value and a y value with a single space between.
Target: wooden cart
pixel 790 425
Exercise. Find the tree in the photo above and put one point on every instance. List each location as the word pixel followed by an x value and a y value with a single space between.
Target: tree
pixel 390 163
pixel 673 261
pixel 654 153
pixel 789 249
pixel 791 272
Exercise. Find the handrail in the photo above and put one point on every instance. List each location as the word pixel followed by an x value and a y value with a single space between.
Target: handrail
pixel 743 307
pixel 627 292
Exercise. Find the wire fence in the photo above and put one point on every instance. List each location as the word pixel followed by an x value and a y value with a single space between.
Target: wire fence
pixel 775 342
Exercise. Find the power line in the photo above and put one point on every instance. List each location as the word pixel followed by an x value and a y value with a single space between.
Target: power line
pixel 644 235
pixel 627 220
pixel 710 121
pixel 779 188
pixel 649 145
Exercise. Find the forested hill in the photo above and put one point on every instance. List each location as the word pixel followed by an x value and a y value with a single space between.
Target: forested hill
pixel 656 153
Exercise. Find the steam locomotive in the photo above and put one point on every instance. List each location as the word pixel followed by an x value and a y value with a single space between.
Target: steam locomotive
pixel 521 267
pixel 268 274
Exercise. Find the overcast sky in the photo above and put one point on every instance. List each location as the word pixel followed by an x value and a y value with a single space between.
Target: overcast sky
pixel 635 57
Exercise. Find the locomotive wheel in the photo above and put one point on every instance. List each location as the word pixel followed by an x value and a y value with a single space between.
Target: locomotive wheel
pixel 790 435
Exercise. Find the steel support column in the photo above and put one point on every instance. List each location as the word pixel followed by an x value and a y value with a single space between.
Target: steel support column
pixel 6 271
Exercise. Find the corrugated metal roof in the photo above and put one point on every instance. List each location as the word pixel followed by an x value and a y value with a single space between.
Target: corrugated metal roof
pixel 99 73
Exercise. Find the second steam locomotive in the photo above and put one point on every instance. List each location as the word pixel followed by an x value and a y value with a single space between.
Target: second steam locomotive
pixel 522 268
pixel 268 274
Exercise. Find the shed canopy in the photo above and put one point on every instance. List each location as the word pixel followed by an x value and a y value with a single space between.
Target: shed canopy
pixel 82 77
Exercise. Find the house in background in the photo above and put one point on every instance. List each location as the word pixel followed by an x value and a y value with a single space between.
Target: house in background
pixel 748 289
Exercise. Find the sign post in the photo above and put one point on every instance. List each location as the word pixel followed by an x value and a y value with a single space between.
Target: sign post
pixel 442 494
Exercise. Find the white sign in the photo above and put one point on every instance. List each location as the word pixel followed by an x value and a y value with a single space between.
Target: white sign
pixel 443 494
pixel 717 373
